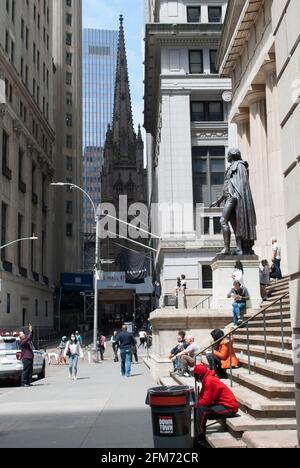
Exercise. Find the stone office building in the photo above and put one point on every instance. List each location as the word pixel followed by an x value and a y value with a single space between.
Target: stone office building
pixel 27 165
pixel 260 52
pixel 186 120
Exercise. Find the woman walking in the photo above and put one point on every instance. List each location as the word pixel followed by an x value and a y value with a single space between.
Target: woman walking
pixel 73 351
pixel 238 273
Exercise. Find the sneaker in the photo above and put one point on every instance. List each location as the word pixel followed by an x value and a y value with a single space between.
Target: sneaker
pixel 186 374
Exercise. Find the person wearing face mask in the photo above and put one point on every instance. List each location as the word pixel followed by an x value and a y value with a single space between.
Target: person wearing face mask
pixel 73 351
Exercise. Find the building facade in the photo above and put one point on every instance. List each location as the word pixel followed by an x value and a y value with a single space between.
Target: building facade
pixel 67 57
pixel 186 120
pixel 260 52
pixel 27 162
pixel 99 71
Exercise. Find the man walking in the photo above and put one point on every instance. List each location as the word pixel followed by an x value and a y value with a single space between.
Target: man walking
pixel 126 342
pixel 27 357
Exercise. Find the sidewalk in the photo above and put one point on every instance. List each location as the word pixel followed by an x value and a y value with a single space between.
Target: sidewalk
pixel 100 410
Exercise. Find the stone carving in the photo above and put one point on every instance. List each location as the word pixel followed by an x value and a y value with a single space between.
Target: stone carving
pixel 239 210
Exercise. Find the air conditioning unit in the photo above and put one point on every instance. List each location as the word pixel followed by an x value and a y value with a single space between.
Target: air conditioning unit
pixel 170 300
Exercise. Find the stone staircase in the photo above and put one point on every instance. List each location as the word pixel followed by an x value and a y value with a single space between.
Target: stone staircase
pixel 267 416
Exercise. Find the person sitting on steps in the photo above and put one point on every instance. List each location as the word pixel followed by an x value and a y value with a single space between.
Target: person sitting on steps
pixel 216 401
pixel 219 360
pixel 240 296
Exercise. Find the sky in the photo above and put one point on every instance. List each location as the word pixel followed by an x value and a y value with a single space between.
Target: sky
pixel 104 14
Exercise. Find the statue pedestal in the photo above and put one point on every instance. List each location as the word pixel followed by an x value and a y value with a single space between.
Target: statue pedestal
pixel 223 266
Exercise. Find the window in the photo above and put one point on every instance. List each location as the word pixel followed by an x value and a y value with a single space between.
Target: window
pixel 217 225
pixel 8 303
pixel 69 58
pixel 207 111
pixel 69 141
pixel 207 277
pixel 215 14
pixel 196 61
pixel 213 57
pixel 36 307
pixel 69 19
pixel 3 229
pixel 12 52
pixel 5 149
pixel 208 175
pixel 69 207
pixel 69 77
pixel 69 120
pixel 68 39
pixel 69 99
pixel 69 230
pixel 69 163
pixel 193 14
pixel 46 309
pixel 19 245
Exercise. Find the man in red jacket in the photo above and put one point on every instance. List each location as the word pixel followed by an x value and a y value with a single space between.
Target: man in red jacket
pixel 216 400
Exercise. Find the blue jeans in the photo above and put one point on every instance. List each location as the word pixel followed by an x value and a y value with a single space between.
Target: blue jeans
pixel 237 308
pixel 73 361
pixel 126 360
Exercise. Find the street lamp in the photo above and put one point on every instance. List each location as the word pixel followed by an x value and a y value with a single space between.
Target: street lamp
pixel 18 240
pixel 97 254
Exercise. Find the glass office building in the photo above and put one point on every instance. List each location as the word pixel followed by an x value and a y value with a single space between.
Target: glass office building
pixel 99 71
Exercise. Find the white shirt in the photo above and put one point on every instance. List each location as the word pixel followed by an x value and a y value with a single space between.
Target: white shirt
pixel 142 334
pixel 277 249
pixel 238 275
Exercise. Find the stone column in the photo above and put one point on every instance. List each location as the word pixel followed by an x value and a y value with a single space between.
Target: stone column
pixel 242 119
pixel 259 169
pixel 275 186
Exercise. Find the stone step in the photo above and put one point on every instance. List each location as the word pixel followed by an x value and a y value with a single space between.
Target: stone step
pixel 270 323
pixel 166 381
pixel 270 331
pixel 273 369
pixel 271 439
pixel 223 440
pixel 263 385
pixel 273 354
pixel 278 287
pixel 272 341
pixel 278 283
pixel 262 407
pixel 245 422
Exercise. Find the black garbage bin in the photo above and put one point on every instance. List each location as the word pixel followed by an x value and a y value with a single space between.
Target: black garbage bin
pixel 171 415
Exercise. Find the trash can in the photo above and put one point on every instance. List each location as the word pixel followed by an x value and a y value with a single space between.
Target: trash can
pixel 171 415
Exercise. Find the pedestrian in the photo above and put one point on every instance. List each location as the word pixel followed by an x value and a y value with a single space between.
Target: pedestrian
pixel 181 344
pixel 26 346
pixel 219 360
pixel 62 346
pixel 216 401
pixel 276 260
pixel 135 352
pixel 187 356
pixel 102 345
pixel 79 339
pixel 264 279
pixel 178 287
pixel 240 296
pixel 143 338
pixel 73 351
pixel 115 346
pixel 183 285
pixel 125 342
pixel 238 273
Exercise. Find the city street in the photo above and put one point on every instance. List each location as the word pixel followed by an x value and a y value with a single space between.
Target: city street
pixel 100 410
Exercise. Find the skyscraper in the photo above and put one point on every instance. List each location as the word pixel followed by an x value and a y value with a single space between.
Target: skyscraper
pixel 99 69
pixel 67 53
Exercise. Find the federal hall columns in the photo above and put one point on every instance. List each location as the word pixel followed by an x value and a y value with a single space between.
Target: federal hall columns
pixel 259 141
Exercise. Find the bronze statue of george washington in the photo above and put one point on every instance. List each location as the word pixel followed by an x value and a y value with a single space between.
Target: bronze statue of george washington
pixel 239 210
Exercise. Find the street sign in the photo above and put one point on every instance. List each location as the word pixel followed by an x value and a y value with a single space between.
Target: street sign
pixel 77 282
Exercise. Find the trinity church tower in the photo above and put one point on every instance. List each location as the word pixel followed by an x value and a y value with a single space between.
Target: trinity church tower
pixel 123 172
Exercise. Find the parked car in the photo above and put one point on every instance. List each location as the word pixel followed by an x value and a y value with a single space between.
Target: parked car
pixel 10 359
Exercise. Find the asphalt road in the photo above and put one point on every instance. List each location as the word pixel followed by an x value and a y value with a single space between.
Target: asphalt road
pixel 100 410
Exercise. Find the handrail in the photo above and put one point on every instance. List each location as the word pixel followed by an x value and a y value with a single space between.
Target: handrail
pixel 202 302
pixel 250 319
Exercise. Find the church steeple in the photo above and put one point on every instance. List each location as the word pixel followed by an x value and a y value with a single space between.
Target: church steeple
pixel 122 128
